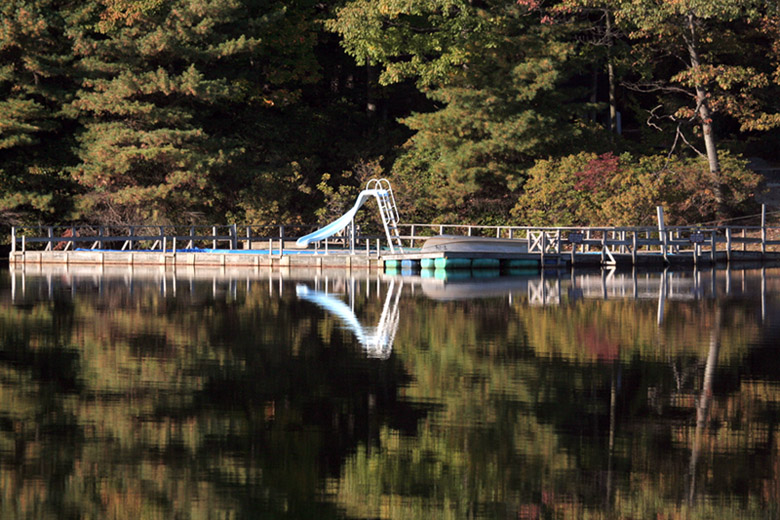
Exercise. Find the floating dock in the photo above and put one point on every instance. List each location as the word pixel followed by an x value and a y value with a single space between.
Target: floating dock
pixel 415 247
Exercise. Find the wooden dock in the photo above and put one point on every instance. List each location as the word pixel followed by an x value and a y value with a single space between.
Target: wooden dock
pixel 273 246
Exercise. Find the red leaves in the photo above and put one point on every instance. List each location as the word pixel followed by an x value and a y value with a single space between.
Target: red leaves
pixel 597 172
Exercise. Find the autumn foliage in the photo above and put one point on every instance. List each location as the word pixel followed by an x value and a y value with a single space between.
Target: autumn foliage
pixel 151 111
pixel 590 189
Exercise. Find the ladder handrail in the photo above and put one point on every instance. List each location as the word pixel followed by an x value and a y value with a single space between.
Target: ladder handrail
pixel 388 211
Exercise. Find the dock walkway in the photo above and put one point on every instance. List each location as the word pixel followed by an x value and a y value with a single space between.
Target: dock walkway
pixel 274 246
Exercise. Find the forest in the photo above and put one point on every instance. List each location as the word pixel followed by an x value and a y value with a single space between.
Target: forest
pixel 564 112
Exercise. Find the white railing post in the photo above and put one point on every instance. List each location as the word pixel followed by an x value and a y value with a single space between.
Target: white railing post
pixel 763 231
pixel 662 231
pixel 713 246
pixel 728 244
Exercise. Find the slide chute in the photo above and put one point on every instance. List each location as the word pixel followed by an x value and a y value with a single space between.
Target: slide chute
pixel 380 190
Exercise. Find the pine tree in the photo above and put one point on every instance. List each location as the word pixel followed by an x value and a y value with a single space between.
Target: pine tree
pixel 172 93
pixel 34 134
pixel 497 75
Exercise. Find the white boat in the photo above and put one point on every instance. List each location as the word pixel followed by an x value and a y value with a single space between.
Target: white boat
pixel 461 244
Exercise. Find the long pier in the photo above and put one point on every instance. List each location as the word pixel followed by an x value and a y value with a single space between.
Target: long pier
pixel 274 246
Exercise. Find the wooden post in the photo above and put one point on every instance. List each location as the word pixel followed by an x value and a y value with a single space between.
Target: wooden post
pixel 50 234
pixel 281 238
pixel 763 231
pixel 633 247
pixel 233 237
pixel 743 240
pixel 603 247
pixel 163 239
pixel 573 251
pixel 412 244
pixel 13 239
pixel 214 237
pixel 544 246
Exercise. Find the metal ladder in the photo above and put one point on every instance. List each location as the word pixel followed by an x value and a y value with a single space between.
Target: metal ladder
pixel 388 211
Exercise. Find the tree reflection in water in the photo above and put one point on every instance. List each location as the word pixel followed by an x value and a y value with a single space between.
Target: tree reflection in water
pixel 207 395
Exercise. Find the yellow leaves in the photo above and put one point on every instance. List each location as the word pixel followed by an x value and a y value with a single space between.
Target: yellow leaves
pixel 763 122
pixel 125 12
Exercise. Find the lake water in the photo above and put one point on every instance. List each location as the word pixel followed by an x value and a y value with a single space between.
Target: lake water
pixel 132 393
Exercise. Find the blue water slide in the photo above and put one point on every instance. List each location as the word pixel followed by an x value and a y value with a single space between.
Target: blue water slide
pixel 341 222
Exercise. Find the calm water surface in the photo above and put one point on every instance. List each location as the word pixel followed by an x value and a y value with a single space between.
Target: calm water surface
pixel 210 394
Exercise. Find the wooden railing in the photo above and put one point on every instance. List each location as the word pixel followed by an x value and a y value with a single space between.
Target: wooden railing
pixel 133 237
pixel 607 241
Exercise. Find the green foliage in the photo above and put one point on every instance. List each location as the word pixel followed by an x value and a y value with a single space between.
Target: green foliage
pixel 588 189
pixel 739 83
pixel 424 40
pixel 496 77
pixel 157 83
pixel 35 79
pixel 489 128
pixel 206 110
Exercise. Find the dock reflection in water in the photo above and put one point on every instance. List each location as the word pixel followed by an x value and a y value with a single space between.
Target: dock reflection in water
pixel 152 393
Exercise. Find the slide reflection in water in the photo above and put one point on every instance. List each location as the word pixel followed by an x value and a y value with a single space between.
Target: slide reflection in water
pixel 376 341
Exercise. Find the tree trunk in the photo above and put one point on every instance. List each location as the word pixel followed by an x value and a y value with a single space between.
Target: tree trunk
pixel 703 403
pixel 613 126
pixel 703 107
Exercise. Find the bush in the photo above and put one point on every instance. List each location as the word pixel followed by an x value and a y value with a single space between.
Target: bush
pixel 589 189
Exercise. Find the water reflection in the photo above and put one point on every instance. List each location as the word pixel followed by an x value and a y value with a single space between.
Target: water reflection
pixel 377 341
pixel 151 393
